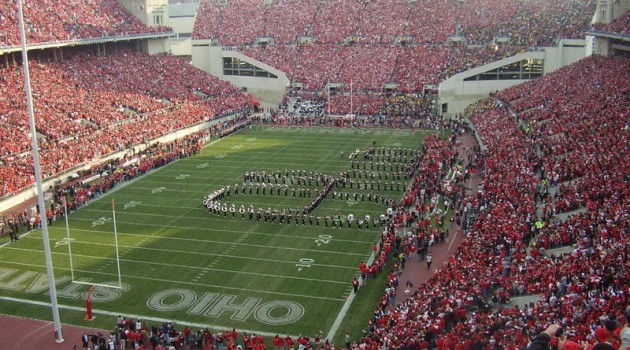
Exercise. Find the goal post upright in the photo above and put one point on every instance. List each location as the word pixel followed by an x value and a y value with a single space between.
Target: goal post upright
pixel 116 242
pixel 88 281
pixel 65 214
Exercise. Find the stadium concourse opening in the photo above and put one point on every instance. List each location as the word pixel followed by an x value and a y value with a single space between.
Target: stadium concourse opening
pixel 243 223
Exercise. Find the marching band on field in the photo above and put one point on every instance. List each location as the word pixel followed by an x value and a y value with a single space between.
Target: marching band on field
pixel 388 170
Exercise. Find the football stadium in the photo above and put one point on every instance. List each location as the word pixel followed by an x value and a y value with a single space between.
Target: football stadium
pixel 315 174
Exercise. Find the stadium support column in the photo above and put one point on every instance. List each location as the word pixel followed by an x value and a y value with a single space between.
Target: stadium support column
pixel 38 178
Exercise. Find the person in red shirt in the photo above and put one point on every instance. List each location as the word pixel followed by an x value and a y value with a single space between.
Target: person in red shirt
pixel 278 343
pixel 289 342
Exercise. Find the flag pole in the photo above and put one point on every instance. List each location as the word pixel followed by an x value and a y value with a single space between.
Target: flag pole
pixel 38 180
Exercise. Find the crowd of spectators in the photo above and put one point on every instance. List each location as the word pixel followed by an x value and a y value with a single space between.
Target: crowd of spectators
pixel 286 20
pixel 584 291
pixel 418 66
pixel 104 176
pixel 531 23
pixel 410 105
pixel 357 43
pixel 621 25
pixel 65 20
pixel 383 20
pixel 356 103
pixel 137 334
pixel 87 106
pixel 335 21
pixel 427 23
pixel 526 23
pixel 318 65
pixel 411 68
pixel 545 148
pixel 371 67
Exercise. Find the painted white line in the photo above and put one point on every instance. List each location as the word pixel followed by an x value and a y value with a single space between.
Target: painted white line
pixel 141 317
pixel 452 240
pixel 208 229
pixel 22 236
pixel 346 305
pixel 136 262
pixel 275 248
pixel 187 283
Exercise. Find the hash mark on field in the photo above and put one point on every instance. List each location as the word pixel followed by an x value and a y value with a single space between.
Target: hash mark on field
pixel 100 269
pixel 227 251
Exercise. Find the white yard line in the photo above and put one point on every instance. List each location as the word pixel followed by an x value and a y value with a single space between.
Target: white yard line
pixel 226 231
pixel 227 243
pixel 141 317
pixel 190 283
pixel 136 262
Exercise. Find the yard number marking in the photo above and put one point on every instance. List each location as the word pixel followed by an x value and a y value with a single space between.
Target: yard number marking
pixel 304 262
pixel 202 166
pixel 100 221
pixel 323 239
pixel 132 204
pixel 182 177
pixel 64 241
pixel 158 190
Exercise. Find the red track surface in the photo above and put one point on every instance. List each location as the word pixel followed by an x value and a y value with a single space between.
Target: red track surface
pixel 18 333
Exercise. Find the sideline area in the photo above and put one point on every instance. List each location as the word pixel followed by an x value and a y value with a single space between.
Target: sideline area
pixel 36 334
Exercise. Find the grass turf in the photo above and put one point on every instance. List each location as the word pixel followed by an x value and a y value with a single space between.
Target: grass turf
pixel 179 262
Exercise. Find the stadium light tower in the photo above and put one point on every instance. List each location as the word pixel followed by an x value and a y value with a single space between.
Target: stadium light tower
pixel 38 179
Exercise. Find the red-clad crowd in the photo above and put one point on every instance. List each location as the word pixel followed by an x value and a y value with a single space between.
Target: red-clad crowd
pixel 531 23
pixel 65 20
pixel 355 43
pixel 585 290
pixel 372 67
pixel 76 194
pixel 418 66
pixel 87 106
pixel 621 25
pixel 335 21
pixel 382 21
pixel 357 103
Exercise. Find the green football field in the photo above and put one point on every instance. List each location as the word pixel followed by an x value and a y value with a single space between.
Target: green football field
pixel 182 263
